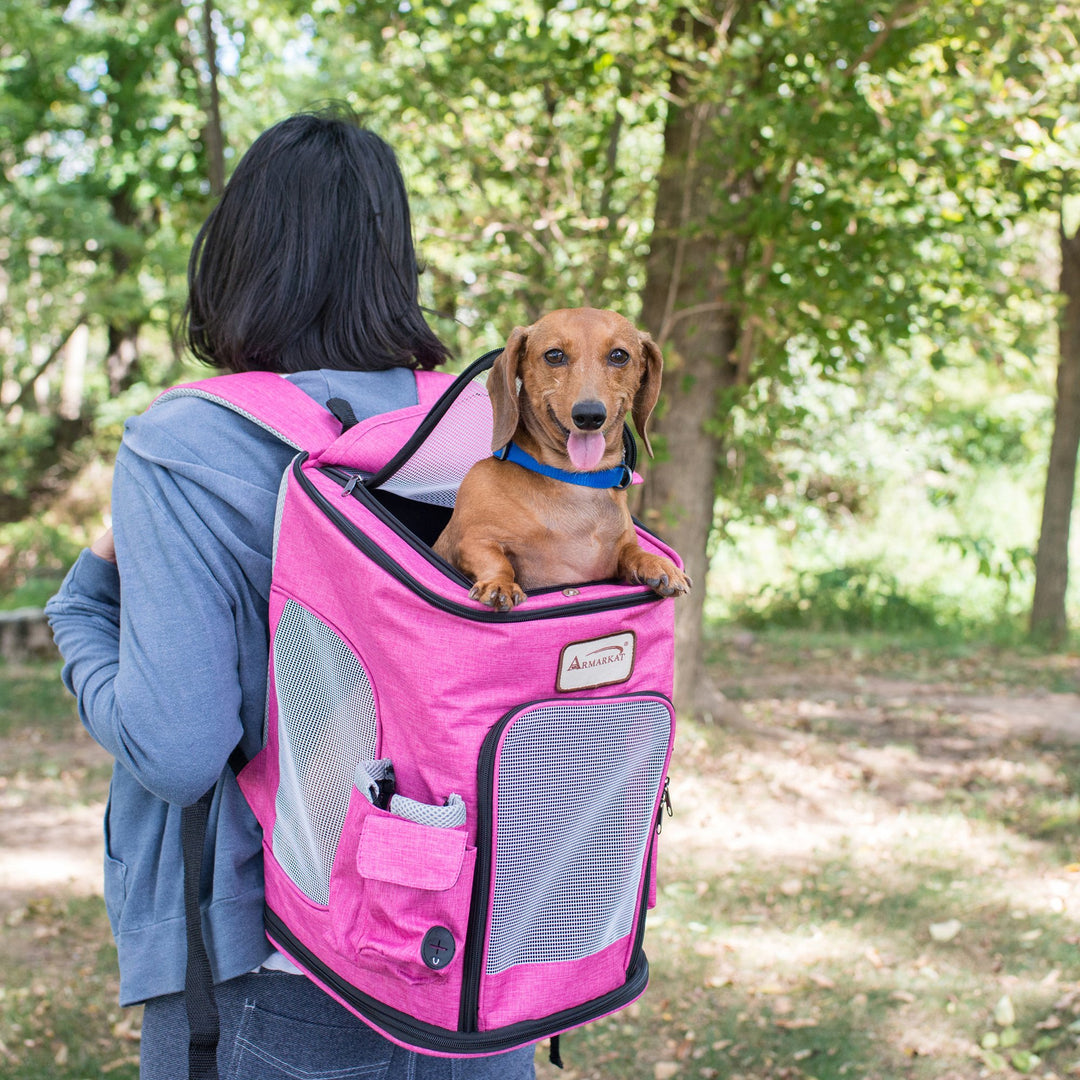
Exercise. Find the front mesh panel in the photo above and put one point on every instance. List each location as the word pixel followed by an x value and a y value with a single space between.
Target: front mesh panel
pixel 576 789
pixel 460 439
pixel 326 725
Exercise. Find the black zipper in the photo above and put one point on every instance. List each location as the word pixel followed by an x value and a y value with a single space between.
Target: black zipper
pixel 417 1033
pixel 478 908
pixel 352 484
pixel 437 411
pixel 663 804
pixel 632 598
pixel 349 482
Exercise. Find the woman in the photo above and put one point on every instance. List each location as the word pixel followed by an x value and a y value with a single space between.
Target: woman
pixel 305 267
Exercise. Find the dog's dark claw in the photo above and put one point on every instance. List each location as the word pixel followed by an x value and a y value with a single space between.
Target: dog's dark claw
pixel 495 596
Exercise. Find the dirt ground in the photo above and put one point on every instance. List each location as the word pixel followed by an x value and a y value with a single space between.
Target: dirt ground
pixel 52 805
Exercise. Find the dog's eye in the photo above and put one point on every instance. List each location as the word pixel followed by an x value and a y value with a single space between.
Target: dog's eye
pixel 618 357
pixel 555 357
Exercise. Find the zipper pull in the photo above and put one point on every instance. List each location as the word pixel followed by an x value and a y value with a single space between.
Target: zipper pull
pixel 347 490
pixel 665 805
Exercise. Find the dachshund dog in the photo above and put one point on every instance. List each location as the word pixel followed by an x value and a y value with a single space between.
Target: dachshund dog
pixel 550 507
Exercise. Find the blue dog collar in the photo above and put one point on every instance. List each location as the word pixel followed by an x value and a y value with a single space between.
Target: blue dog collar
pixel 619 477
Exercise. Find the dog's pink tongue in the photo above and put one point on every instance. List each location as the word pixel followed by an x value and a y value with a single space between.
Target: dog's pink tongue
pixel 585 449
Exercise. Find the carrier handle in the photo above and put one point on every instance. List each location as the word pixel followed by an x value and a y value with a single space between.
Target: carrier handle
pixel 434 415
pixel 439 410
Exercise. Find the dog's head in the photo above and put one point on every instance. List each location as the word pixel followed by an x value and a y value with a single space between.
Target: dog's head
pixel 581 370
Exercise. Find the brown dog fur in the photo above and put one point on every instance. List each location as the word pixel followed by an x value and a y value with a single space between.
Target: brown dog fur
pixel 512 529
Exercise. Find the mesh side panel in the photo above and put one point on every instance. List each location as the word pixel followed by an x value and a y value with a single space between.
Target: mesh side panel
pixel 326 725
pixel 577 785
pixel 460 439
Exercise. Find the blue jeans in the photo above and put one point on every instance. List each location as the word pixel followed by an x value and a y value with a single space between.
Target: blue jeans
pixel 276 1026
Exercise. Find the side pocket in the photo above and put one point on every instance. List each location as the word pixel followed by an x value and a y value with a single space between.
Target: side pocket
pixel 400 893
pixel 115 879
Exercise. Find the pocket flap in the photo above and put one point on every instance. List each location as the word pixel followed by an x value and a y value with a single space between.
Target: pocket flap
pixel 406 853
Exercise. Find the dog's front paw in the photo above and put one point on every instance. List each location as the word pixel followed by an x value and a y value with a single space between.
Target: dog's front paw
pixel 499 594
pixel 660 574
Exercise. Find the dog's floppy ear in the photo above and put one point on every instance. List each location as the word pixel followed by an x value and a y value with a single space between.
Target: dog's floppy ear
pixel 502 388
pixel 648 391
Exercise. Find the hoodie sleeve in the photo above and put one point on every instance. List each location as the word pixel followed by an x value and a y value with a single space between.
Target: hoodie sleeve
pixel 155 675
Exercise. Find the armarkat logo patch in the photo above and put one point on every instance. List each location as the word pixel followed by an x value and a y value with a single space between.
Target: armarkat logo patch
pixel 598 662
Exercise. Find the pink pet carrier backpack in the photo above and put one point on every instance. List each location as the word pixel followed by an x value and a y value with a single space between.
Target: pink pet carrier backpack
pixel 460 806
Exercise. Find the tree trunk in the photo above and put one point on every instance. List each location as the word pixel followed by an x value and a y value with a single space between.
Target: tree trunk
pixel 74 357
pixel 1048 621
pixel 687 308
pixel 122 357
pixel 212 133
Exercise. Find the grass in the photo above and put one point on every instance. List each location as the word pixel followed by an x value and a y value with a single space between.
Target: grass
pixel 871 874
pixel 35 704
pixel 58 1012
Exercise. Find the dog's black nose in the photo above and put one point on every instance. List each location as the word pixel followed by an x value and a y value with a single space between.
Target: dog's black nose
pixel 588 415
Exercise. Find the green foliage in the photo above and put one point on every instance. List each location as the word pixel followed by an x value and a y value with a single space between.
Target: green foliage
pixel 1009 567
pixel 884 177
pixel 34 555
pixel 849 598
pixel 926 483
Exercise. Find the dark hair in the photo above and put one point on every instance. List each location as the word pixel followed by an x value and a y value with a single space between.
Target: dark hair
pixel 307 261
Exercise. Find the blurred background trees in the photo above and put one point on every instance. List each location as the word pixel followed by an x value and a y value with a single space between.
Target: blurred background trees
pixel 849 225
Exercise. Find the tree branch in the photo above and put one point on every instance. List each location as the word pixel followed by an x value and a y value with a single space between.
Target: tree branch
pixel 26 385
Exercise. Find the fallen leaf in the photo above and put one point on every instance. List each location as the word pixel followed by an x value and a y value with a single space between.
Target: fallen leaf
pixel 796 1023
pixel 945 931
pixel 664 1070
pixel 1024 1061
pixel 119 1063
pixel 1004 1013
pixel 125 1029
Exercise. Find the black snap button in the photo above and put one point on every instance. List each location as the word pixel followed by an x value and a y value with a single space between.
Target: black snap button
pixel 438 948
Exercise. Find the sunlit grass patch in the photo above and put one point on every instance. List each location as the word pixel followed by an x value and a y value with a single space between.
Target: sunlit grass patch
pixel 34 703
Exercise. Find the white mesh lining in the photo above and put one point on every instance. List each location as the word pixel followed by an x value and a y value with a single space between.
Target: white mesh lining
pixel 460 439
pixel 326 725
pixel 576 789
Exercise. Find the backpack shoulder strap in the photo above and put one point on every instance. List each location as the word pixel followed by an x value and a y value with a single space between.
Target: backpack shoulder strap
pixel 272 402
pixel 431 385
